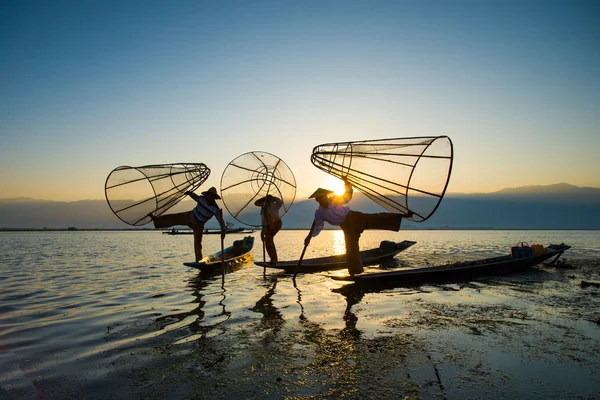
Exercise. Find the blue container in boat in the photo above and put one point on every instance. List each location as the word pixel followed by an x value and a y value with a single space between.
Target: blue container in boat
pixel 523 250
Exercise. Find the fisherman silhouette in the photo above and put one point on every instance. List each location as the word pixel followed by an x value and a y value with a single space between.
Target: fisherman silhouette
pixel 271 223
pixel 205 209
pixel 333 209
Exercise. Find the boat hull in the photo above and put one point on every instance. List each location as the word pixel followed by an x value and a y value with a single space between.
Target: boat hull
pixel 386 251
pixel 239 253
pixel 458 271
pixel 207 232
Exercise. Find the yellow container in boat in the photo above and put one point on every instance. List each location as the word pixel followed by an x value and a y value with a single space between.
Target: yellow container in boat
pixel 538 249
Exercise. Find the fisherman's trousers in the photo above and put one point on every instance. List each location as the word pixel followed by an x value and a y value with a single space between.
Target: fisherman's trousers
pixel 353 226
pixel 268 234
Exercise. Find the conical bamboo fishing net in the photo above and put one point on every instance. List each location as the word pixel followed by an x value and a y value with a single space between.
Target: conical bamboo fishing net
pixel 252 176
pixel 401 174
pixel 133 192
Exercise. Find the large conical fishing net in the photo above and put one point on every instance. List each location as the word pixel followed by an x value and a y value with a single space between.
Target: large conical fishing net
pixel 402 174
pixel 134 192
pixel 253 176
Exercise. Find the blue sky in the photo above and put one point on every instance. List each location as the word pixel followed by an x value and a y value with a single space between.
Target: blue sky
pixel 89 86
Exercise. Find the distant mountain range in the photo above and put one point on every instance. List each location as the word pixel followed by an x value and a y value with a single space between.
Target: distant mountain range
pixel 559 206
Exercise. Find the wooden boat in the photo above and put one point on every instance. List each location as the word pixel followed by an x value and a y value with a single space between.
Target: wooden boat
pixel 458 271
pixel 239 253
pixel 177 232
pixel 239 229
pixel 386 251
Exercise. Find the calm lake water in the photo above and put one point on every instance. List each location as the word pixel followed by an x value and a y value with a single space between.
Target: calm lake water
pixel 117 315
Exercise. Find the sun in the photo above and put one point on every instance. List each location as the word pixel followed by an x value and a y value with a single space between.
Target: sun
pixel 335 184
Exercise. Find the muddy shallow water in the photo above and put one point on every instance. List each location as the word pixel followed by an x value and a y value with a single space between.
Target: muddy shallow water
pixel 167 333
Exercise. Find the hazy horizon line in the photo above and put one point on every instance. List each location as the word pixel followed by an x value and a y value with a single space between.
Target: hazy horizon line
pixel 561 184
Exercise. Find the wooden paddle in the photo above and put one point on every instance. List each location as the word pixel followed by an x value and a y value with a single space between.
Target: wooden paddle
pixel 262 229
pixel 303 251
pixel 222 260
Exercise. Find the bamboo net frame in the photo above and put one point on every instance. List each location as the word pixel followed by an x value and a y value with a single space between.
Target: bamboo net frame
pixel 134 192
pixel 401 174
pixel 252 176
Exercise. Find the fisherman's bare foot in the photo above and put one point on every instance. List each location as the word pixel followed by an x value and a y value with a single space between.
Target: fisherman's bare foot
pixel 356 271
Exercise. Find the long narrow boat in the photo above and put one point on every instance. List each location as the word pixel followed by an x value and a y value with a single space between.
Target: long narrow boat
pixel 386 251
pixel 458 271
pixel 239 253
pixel 239 229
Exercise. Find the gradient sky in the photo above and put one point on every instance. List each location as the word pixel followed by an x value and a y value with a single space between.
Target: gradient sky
pixel 86 86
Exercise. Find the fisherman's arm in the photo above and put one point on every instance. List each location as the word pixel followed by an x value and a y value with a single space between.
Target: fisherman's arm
pixel 316 227
pixel 193 195
pixel 347 196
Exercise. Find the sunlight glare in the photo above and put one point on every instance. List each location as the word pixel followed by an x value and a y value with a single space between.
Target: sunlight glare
pixel 335 184
pixel 339 243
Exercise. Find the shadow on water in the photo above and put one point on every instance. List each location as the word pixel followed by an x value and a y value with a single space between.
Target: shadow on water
pixel 203 283
pixel 178 320
pixel 197 312
pixel 272 318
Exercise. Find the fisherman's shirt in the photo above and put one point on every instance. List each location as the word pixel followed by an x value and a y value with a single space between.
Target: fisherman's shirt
pixel 204 210
pixel 334 214
pixel 271 211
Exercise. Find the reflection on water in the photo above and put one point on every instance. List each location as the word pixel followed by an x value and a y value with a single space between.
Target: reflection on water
pixel 101 296
pixel 272 318
pixel 339 243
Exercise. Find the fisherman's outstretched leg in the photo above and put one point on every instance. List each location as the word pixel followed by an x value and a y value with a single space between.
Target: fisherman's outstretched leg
pixel 169 220
pixel 385 221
